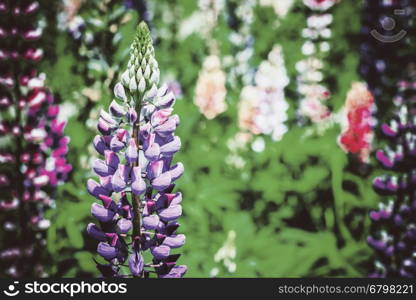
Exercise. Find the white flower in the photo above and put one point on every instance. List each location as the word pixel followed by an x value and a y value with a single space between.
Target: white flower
pixel 41 180
pixel 258 145
pixel 38 134
pixel 308 48
pixel 228 252
pixel 319 21
pixel 44 224
pixel 263 108
pixel 66 111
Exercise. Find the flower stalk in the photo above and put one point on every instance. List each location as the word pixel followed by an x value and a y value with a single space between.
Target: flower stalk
pixel 393 232
pixel 139 210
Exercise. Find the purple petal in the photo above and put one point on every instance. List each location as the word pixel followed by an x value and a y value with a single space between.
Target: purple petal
pixel 132 115
pixel 152 152
pixel 103 127
pixel 117 182
pixel 95 232
pixel 102 169
pixel 162 182
pixel 136 263
pixel 166 128
pixel 107 118
pixel 106 182
pixel 161 116
pixel 101 213
pixel 99 144
pixel 106 251
pixel 107 202
pixel 171 213
pixel 122 135
pixel 165 101
pixel 131 152
pixel 166 199
pixel 386 129
pixel 116 145
pixel 95 189
pixel 149 207
pixel 116 109
pixel 375 216
pixel 376 244
pixel 111 159
pixel 123 226
pixel 155 168
pixel 150 222
pixel 31 8
pixel 124 172
pixel 138 186
pixel 160 252
pixel 175 272
pixel 174 241
pixel 383 159
pixel 119 92
pixel 170 228
pixel 172 147
pixel 176 171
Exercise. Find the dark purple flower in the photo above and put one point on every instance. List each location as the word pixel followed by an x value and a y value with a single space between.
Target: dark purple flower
pixel 393 225
pixel 33 161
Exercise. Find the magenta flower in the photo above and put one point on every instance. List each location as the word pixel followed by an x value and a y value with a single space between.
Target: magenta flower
pixel 393 234
pixel 32 156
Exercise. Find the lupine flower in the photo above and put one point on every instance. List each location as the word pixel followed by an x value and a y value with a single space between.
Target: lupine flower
pixel 357 134
pixel 226 255
pixel 240 20
pixel 32 155
pixel 212 9
pixel 141 7
pixel 263 108
pixel 175 87
pixel 381 62
pixel 210 89
pixel 393 230
pixel 313 94
pixel 138 210
pixel 201 21
pixel 70 19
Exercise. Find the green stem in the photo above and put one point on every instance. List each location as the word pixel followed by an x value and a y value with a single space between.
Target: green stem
pixel 136 199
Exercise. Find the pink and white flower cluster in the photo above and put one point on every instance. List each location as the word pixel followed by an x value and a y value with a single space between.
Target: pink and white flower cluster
pixel 263 108
pixel 210 89
pixel 313 93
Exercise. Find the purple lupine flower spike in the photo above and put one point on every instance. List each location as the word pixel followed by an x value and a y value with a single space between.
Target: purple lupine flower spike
pixel 393 235
pixel 138 211
pixel 32 156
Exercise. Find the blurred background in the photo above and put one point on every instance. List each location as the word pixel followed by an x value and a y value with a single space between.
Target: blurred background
pixel 278 177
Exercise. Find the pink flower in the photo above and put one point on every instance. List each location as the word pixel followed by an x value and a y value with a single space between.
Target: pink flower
pixel 210 89
pixel 320 5
pixel 358 133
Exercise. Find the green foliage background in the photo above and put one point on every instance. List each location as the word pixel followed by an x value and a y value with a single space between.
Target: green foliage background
pixel 298 209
